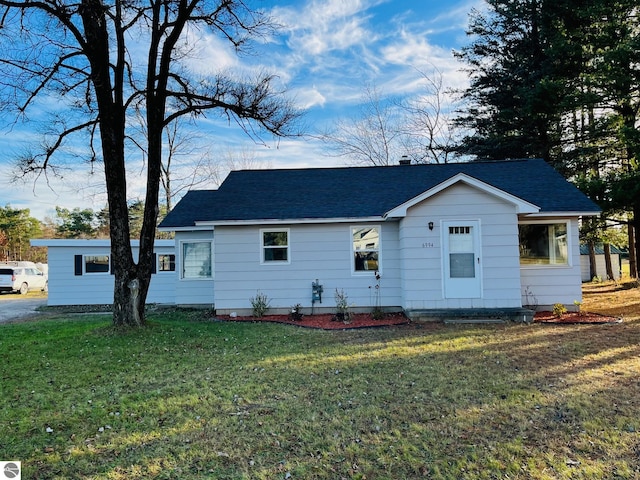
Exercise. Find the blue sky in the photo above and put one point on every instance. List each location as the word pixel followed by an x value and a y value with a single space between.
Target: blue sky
pixel 326 54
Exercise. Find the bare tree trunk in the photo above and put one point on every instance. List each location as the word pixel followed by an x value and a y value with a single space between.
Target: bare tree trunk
pixel 607 262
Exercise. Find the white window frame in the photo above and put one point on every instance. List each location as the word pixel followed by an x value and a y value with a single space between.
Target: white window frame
pixel 195 279
pixel 263 261
pixel 354 251
pixel 567 224
pixel 84 263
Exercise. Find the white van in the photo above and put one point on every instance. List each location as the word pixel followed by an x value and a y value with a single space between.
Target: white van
pixel 22 279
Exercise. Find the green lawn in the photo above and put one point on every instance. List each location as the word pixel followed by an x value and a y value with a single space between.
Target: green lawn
pixel 191 399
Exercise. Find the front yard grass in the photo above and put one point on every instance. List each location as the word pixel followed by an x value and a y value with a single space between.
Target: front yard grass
pixel 190 399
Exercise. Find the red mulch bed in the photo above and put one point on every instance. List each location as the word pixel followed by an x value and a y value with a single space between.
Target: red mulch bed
pixel 575 317
pixel 327 321
pixel 364 320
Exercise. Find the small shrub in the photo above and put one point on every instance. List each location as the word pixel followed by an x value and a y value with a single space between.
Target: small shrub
pixel 296 312
pixel 596 279
pixel 578 305
pixel 342 306
pixel 260 304
pixel 559 310
pixel 377 313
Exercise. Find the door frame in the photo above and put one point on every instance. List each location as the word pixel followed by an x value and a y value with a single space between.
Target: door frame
pixel 466 287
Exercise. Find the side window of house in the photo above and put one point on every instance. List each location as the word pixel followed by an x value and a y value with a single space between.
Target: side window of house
pixel 166 263
pixel 275 246
pixel 196 260
pixel 96 264
pixel 543 244
pixel 366 248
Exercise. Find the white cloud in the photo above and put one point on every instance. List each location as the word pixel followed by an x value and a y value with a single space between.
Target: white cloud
pixel 325 26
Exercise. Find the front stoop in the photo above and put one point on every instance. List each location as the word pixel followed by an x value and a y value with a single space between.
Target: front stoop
pixel 472 315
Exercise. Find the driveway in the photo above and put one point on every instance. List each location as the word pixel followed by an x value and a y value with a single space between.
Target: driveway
pixel 14 307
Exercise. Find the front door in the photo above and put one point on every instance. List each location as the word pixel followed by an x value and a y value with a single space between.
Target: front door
pixel 461 259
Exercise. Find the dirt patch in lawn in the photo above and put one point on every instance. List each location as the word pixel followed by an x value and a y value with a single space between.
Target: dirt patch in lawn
pixel 328 321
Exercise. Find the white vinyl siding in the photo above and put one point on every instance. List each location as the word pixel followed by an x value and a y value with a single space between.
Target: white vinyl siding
pixel 421 249
pixel 322 252
pixel 68 288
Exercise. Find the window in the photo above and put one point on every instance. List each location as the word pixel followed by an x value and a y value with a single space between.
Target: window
pixel 96 264
pixel 166 263
pixel 543 244
pixel 366 248
pixel 461 252
pixel 196 260
pixel 275 246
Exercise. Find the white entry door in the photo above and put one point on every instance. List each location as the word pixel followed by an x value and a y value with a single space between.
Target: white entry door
pixel 461 259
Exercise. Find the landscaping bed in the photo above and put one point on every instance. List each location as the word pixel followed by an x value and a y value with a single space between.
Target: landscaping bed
pixel 327 321
pixel 575 317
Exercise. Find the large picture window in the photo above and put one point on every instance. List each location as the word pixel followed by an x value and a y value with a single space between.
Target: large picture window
pixel 196 260
pixel 543 244
pixel 275 246
pixel 366 248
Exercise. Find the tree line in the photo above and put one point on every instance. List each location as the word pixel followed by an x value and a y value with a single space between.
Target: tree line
pixel 18 227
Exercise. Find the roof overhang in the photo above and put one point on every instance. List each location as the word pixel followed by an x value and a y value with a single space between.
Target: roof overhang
pixel 102 243
pixel 563 214
pixel 522 206
pixel 281 221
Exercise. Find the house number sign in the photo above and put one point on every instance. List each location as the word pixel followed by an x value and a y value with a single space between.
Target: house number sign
pixel 428 245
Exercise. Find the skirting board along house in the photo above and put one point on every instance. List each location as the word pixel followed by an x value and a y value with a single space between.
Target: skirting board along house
pixel 80 272
pixel 417 238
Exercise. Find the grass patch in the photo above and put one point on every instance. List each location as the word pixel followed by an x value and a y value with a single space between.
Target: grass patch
pixel 191 399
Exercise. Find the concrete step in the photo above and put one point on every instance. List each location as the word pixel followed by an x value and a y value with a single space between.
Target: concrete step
pixel 472 315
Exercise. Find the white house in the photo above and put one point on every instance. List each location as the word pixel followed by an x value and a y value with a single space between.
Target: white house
pixel 480 235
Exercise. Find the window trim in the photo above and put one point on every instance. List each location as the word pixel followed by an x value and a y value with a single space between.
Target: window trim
pixel 263 261
pixel 568 263
pixel 353 250
pixel 181 272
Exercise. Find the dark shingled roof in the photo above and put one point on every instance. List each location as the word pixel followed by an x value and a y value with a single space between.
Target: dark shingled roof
pixel 363 192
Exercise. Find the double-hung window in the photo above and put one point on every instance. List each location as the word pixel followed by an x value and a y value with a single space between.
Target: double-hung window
pixel 366 248
pixel 275 246
pixel 196 260
pixel 544 243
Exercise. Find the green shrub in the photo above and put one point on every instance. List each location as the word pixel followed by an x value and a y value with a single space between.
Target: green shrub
pixel 260 304
pixel 559 310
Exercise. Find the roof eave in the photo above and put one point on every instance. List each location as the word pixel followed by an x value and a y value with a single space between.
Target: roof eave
pixel 564 213
pixel 203 225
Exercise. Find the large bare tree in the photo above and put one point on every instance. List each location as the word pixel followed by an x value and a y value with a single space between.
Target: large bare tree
pixel 105 60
